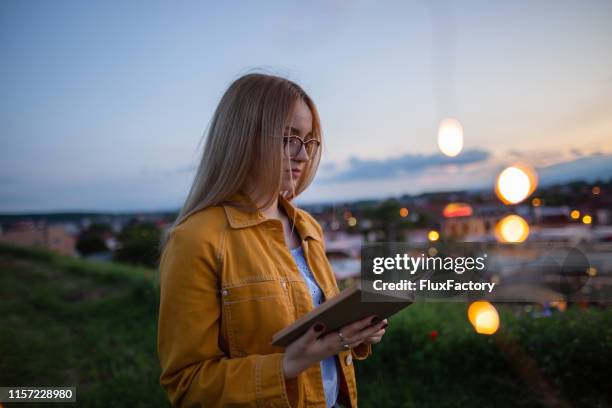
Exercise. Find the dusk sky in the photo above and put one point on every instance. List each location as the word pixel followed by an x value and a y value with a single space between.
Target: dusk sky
pixel 104 103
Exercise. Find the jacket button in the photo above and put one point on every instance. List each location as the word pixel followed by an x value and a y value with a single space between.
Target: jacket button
pixel 349 359
pixel 224 292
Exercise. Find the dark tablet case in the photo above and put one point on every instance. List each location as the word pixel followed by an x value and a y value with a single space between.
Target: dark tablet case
pixel 335 313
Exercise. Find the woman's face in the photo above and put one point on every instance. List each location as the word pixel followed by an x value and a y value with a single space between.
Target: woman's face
pixel 301 126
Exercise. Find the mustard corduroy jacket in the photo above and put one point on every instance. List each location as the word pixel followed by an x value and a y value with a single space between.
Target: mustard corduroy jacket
pixel 228 283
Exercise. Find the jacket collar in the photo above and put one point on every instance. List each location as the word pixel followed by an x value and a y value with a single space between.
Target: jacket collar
pixel 248 215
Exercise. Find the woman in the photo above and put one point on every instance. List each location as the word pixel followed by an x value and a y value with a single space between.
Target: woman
pixel 241 262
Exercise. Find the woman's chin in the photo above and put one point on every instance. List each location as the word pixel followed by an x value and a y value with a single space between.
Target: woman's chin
pixel 288 184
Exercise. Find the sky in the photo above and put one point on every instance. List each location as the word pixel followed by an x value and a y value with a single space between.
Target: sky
pixel 105 103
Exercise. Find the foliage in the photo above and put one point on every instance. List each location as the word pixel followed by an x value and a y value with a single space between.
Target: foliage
pixel 92 239
pixel 139 243
pixel 67 321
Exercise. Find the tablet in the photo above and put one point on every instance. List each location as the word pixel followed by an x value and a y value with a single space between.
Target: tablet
pixel 345 308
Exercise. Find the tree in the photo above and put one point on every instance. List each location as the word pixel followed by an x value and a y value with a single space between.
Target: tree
pixel 93 239
pixel 138 244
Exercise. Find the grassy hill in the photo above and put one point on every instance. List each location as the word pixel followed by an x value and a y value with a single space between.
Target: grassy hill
pixel 71 322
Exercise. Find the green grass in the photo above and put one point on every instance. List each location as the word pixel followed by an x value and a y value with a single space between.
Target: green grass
pixel 68 322
pixel 529 362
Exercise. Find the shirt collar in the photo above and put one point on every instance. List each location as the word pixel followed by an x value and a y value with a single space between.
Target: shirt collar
pixel 244 214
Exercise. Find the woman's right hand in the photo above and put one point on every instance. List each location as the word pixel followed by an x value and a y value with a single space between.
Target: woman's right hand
pixel 309 349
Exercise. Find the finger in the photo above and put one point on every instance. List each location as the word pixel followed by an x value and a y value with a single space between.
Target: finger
pixel 351 329
pixel 356 343
pixel 374 339
pixel 313 333
pixel 331 341
pixel 379 333
pixel 370 331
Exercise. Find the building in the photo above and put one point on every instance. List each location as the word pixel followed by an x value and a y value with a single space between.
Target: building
pixel 51 237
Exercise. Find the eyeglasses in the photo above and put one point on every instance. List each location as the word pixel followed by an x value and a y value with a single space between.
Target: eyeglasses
pixel 293 146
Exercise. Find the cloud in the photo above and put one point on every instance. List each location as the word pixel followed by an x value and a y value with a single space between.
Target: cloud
pixel 591 168
pixel 478 175
pixel 359 169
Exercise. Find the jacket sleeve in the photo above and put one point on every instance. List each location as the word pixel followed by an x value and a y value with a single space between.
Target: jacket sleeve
pixel 362 351
pixel 195 372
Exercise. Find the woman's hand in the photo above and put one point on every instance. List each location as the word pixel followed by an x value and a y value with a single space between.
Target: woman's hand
pixel 377 337
pixel 309 349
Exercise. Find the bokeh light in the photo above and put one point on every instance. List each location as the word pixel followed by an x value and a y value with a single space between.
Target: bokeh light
pixel 457 210
pixel 403 212
pixel 450 137
pixel 484 317
pixel 512 229
pixel 587 219
pixel 575 214
pixel 515 183
pixel 352 221
pixel 433 235
pixel 561 305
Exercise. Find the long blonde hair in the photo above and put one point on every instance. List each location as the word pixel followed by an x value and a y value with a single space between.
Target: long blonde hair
pixel 245 138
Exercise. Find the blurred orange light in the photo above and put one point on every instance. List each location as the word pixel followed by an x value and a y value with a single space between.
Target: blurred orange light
pixel 457 210
pixel 587 219
pixel 512 229
pixel 536 202
pixel 403 212
pixel 596 190
pixel 515 183
pixel 575 214
pixel 561 305
pixel 484 317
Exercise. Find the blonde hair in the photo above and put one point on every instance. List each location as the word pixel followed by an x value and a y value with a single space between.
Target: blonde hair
pixel 245 138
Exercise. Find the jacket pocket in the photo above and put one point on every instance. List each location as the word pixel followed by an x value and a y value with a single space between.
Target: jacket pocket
pixel 254 311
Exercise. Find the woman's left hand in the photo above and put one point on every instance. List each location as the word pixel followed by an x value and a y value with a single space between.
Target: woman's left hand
pixel 376 337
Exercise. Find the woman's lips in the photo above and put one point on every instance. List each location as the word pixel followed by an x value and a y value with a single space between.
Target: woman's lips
pixel 296 172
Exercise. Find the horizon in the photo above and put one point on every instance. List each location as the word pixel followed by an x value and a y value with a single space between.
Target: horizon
pixel 474 191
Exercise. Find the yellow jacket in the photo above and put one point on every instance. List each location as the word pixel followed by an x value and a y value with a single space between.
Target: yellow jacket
pixel 228 283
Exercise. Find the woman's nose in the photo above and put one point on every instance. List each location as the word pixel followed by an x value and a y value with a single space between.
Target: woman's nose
pixel 302 154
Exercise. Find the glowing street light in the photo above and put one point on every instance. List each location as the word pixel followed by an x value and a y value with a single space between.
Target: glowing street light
pixel 575 214
pixel 433 235
pixel 512 229
pixel 403 212
pixel 484 317
pixel 587 219
pixel 450 137
pixel 515 183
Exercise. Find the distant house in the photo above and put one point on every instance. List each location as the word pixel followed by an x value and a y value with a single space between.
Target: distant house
pixel 343 251
pixel 52 237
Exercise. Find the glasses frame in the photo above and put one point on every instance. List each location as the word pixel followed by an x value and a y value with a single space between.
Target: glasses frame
pixel 286 140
